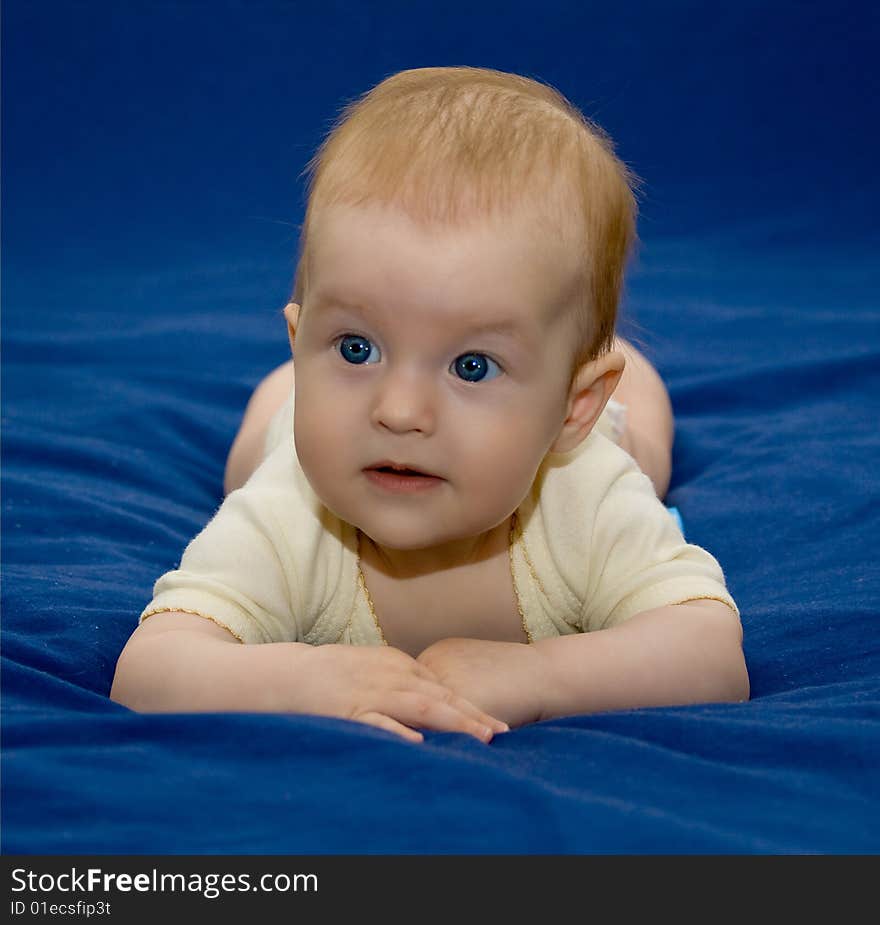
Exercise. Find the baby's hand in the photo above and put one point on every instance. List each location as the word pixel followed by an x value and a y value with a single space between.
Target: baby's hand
pixel 506 678
pixel 385 687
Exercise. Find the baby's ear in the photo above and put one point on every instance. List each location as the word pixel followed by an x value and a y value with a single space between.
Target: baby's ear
pixel 592 386
pixel 291 314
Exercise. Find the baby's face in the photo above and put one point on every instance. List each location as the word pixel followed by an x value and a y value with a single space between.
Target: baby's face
pixel 444 351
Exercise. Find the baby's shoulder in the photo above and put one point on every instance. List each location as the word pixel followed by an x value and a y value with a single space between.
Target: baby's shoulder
pixel 278 495
pixel 584 476
pixel 576 492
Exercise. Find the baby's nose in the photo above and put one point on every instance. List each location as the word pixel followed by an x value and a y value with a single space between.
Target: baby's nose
pixel 404 403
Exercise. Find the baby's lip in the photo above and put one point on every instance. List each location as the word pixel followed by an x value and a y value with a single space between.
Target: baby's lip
pixel 401 467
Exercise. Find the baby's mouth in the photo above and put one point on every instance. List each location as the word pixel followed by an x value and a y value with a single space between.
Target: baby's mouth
pixel 401 479
pixel 400 469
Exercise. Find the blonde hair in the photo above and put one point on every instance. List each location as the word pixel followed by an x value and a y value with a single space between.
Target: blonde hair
pixel 451 145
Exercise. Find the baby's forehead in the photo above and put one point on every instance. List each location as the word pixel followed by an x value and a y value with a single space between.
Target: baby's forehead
pixel 449 318
pixel 527 252
pixel 549 221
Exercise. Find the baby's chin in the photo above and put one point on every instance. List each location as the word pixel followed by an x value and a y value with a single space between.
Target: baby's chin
pixel 451 546
pixel 413 531
pixel 408 540
pixel 417 538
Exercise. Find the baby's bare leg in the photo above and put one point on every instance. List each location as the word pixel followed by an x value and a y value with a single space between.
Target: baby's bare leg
pixel 650 428
pixel 247 447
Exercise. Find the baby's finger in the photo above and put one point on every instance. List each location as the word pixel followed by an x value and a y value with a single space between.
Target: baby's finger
pixel 390 725
pixel 444 693
pixel 421 710
pixel 495 724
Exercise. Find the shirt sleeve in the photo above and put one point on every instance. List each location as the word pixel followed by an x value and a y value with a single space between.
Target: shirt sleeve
pixel 231 573
pixel 639 559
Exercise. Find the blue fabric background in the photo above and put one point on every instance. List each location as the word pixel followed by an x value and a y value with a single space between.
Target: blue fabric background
pixel 151 204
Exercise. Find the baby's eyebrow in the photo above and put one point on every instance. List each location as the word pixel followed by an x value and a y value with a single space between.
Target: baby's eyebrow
pixel 507 329
pixel 330 304
pixel 503 327
pixel 496 327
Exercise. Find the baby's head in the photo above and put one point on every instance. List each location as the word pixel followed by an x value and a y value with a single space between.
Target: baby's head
pixel 454 310
pixel 456 146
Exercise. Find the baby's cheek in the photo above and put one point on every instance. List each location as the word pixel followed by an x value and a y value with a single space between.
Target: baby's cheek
pixel 315 438
pixel 506 466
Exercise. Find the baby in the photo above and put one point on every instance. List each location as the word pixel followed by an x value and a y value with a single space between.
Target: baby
pixel 447 523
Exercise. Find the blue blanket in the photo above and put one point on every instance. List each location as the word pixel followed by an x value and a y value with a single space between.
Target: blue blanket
pixel 126 368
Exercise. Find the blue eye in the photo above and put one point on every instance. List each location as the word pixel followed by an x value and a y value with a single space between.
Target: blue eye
pixel 475 367
pixel 357 349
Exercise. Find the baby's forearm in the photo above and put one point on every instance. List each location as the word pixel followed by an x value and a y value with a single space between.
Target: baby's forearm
pixel 686 653
pixel 188 671
pixel 179 662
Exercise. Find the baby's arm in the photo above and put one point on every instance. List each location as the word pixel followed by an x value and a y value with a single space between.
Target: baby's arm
pixel 679 654
pixel 180 662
